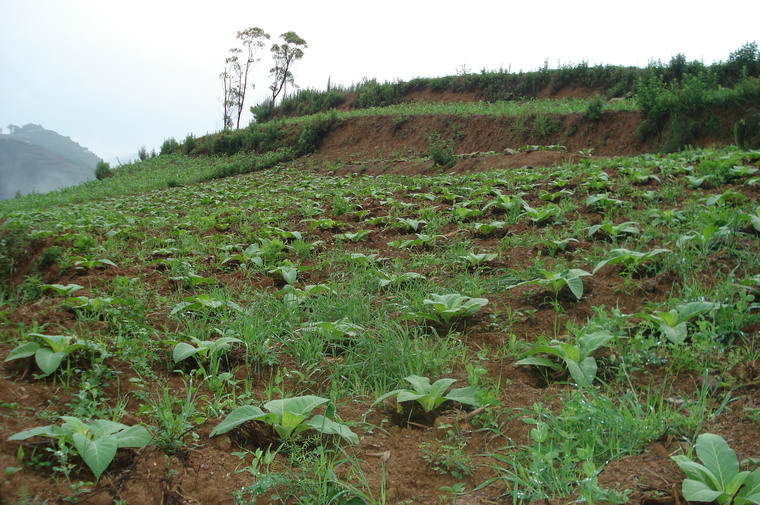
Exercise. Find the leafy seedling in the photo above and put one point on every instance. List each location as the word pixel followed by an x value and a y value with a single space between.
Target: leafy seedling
pixel 555 281
pixel 60 289
pixel 90 262
pixel 555 246
pixel 251 255
pixel 423 240
pixel 630 260
pixel 49 351
pixel 353 237
pixel 602 202
pixel 96 442
pixel 613 231
pixel 204 303
pixel 478 259
pixel 504 203
pixel 488 229
pixel 541 215
pixel 443 308
pixel 717 478
pixel 672 324
pixel 289 417
pixel 202 348
pixel 287 270
pixel 431 396
pixel 395 280
pixel 414 225
pixel 577 358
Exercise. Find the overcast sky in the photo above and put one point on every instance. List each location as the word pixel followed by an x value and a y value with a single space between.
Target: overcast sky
pixel 118 75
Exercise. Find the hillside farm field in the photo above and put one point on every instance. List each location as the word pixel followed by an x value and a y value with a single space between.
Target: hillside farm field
pixel 307 334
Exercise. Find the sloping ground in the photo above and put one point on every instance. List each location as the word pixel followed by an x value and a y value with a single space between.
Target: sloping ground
pixel 355 233
pixel 155 251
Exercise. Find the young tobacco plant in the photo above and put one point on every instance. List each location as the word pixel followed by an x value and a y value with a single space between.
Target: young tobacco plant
pixel 204 303
pixel 630 260
pixel 613 231
pixel 717 478
pixel 477 259
pixel 60 289
pixel 203 349
pixel 443 309
pixel 431 396
pixel 289 417
pixel 96 442
pixel 49 351
pixel 672 324
pixel 577 358
pixel 488 229
pixel 541 215
pixel 555 281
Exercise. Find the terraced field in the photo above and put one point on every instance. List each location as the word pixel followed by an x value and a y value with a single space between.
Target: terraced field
pixel 530 325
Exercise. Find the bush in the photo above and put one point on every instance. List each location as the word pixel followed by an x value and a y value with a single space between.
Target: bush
pixel 314 131
pixel 693 105
pixel 189 144
pixel 170 146
pixel 595 109
pixel 747 131
pixel 103 170
pixel 441 151
pixel 544 125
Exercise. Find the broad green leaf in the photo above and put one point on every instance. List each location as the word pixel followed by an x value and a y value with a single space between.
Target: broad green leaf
pixel 395 392
pixel 43 431
pixel 548 349
pixel 237 417
pixel 74 425
pixel 590 342
pixel 61 289
pixel 420 384
pixel 97 454
pixel 288 423
pixel 750 493
pixel 183 350
pixel 583 373
pixel 466 395
pixel 736 483
pixel 439 387
pixel 133 436
pixel 669 318
pixel 55 342
pixel 694 470
pixel 409 396
pixel 686 311
pixel 676 334
pixel 538 361
pixel 694 490
pixel 48 361
pixel 300 405
pixel 23 351
pixel 576 286
pixel 329 427
pixel 718 458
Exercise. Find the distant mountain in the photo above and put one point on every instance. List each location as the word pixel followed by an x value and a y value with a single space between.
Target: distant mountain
pixel 33 159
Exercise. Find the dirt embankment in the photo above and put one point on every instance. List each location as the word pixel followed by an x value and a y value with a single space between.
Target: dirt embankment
pixel 385 139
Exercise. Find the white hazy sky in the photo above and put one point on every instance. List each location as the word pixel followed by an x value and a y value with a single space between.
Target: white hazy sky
pixel 117 75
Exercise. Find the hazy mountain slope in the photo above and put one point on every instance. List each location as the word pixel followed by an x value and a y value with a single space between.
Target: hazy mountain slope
pixel 34 159
pixel 31 168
